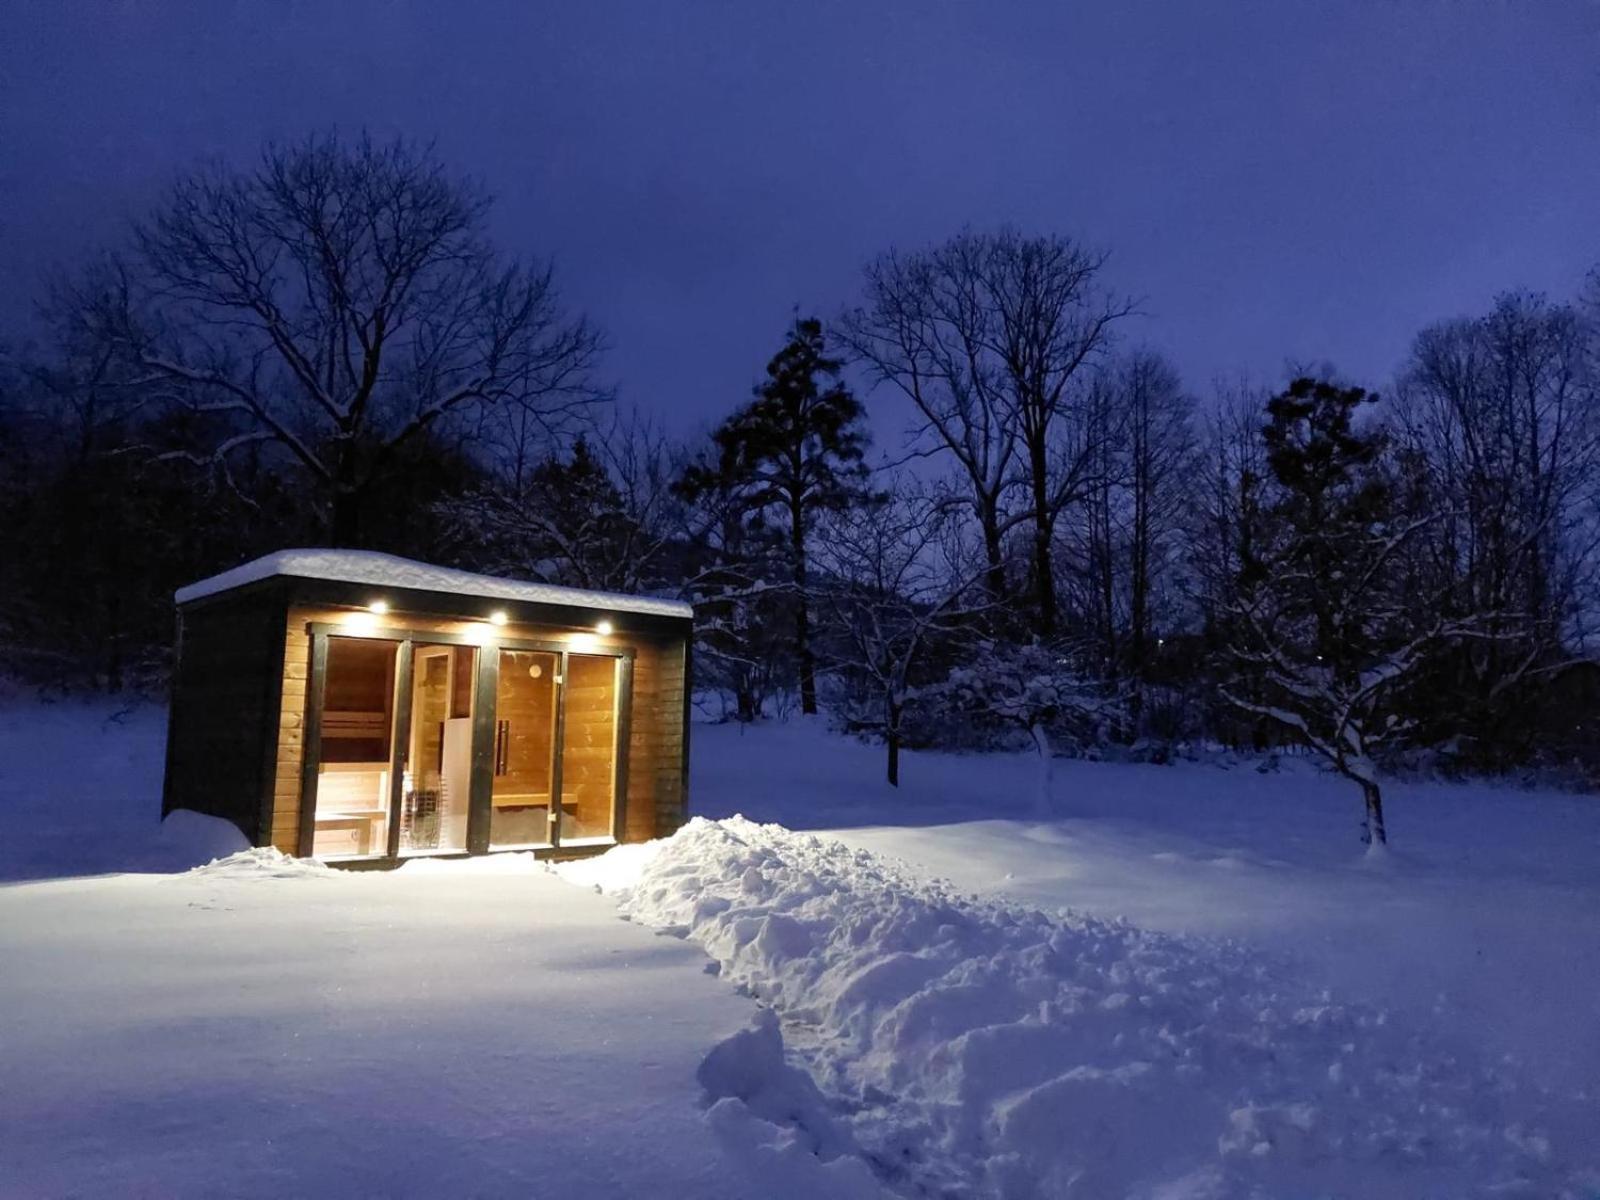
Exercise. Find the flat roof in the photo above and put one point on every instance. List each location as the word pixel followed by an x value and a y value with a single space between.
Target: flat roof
pixel 390 571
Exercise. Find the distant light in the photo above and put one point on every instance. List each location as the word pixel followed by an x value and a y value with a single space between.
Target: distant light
pixel 379 606
pixel 498 617
pixel 604 628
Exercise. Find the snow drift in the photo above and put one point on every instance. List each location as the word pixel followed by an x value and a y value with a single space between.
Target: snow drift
pixel 965 1047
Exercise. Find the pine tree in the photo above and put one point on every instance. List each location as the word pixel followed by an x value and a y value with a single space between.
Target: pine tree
pixel 792 453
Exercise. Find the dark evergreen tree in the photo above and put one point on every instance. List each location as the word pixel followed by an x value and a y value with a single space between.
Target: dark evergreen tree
pixel 792 453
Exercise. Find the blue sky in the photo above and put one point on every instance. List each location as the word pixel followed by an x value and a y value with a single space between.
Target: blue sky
pixel 1309 181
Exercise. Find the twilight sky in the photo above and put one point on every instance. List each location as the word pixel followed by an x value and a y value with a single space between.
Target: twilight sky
pixel 1278 180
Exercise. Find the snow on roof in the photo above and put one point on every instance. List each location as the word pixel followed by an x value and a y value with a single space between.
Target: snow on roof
pixel 388 570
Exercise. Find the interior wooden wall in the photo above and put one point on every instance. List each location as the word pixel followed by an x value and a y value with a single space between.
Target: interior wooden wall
pixel 655 800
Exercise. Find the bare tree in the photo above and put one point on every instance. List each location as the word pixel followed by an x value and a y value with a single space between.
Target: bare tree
pixel 895 590
pixel 337 301
pixel 1498 414
pixel 1160 482
pixel 987 335
pixel 599 514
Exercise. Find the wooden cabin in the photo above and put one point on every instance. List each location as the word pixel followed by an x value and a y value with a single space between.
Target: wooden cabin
pixel 364 709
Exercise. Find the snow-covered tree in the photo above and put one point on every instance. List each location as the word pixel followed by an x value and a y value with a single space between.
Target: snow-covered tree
pixel 1331 617
pixel 1034 688
pixel 893 593
pixel 600 514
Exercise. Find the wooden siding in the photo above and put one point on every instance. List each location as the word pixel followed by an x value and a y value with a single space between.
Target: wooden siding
pixel 655 789
pixel 224 697
pixel 656 744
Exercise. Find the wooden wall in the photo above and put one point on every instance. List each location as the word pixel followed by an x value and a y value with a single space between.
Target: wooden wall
pixel 656 747
pixel 224 699
pixel 655 785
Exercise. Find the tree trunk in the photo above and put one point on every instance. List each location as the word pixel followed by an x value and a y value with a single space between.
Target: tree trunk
pixel 1044 581
pixel 996 573
pixel 746 705
pixel 891 739
pixel 802 614
pixel 1044 800
pixel 345 524
pixel 1373 832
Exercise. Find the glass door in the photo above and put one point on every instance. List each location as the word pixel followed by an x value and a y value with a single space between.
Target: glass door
pixel 589 731
pixel 354 766
pixel 437 760
pixel 526 779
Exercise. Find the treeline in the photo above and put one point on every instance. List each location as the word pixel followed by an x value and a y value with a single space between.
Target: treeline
pixel 1069 545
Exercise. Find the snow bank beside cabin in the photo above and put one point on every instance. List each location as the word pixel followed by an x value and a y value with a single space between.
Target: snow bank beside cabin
pixel 977 1048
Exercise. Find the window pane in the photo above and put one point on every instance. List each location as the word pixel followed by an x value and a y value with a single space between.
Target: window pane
pixel 525 718
pixel 352 818
pixel 438 761
pixel 589 748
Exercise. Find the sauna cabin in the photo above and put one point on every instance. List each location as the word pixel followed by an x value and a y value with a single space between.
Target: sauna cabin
pixel 364 709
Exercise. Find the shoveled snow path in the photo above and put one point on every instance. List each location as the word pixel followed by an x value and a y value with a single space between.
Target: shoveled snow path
pixel 968 1047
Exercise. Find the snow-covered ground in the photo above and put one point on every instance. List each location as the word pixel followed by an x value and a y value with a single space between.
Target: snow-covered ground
pixel 1484 920
pixel 1428 1026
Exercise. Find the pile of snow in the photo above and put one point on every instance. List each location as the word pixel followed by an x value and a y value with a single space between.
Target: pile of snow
pixel 262 862
pixel 187 838
pixel 966 1047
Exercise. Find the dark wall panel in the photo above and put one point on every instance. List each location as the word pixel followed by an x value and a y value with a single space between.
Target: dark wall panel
pixel 223 727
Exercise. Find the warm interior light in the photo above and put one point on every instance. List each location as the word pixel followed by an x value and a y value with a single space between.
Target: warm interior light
pixel 358 622
pixel 379 606
pixel 604 628
pixel 498 617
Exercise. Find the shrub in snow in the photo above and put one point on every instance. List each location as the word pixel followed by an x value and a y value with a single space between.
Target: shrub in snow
pixel 1033 688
